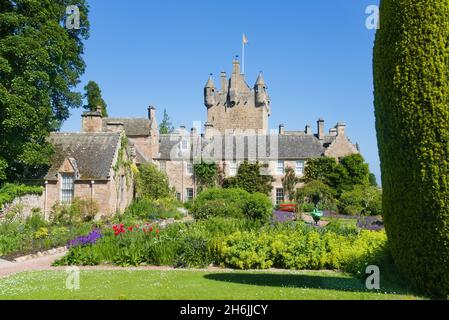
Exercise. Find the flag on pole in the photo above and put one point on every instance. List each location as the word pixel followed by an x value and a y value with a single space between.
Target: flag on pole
pixel 245 39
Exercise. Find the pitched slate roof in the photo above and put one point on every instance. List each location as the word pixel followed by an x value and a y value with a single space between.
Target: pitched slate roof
pixel 94 153
pixel 289 147
pixel 133 126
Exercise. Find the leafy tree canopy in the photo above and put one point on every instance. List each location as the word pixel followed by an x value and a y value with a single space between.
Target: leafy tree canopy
pixel 251 178
pixel 166 126
pixel 40 65
pixel 94 98
pixel 340 175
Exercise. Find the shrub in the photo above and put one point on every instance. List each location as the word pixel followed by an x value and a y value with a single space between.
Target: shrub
pixel 150 209
pixel 220 203
pixel 36 221
pixel 363 200
pixel 316 194
pixel 152 183
pixel 79 211
pixel 303 250
pixel 258 207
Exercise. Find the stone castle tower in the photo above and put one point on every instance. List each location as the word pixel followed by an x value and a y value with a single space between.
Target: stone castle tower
pixel 237 106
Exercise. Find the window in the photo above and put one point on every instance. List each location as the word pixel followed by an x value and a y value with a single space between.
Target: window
pixel 190 194
pixel 279 196
pixel 184 145
pixel 67 188
pixel 233 168
pixel 178 196
pixel 280 167
pixel 299 168
pixel 189 168
pixel 163 166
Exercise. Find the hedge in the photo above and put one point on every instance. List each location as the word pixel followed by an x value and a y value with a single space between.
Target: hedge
pixel 411 80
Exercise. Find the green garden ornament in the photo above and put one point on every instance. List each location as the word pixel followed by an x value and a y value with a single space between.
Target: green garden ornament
pixel 317 215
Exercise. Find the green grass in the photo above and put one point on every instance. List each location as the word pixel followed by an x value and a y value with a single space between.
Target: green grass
pixel 193 285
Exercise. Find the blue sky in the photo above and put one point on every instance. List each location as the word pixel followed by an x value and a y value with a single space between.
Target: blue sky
pixel 316 57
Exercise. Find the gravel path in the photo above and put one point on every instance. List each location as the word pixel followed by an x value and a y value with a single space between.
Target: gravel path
pixel 44 263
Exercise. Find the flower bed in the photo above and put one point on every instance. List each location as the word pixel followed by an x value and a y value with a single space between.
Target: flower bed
pixel 231 243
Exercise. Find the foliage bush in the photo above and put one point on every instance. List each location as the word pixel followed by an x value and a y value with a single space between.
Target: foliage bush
pixel 9 192
pixel 206 175
pixel 79 211
pixel 363 200
pixel 258 207
pixel 411 81
pixel 152 183
pixel 145 209
pixel 296 249
pixel 251 178
pixel 316 194
pixel 220 203
pixel 340 175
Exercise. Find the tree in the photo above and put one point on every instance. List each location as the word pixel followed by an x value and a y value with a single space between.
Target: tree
pixel 373 180
pixel 322 169
pixel 94 98
pixel 316 194
pixel 411 81
pixel 363 200
pixel 166 126
pixel 341 175
pixel 357 170
pixel 289 183
pixel 206 175
pixel 250 178
pixel 152 183
pixel 40 65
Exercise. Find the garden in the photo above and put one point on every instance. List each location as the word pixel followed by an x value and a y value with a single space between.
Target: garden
pixel 227 228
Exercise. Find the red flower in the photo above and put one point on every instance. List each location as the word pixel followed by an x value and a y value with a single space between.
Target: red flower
pixel 157 231
pixel 151 229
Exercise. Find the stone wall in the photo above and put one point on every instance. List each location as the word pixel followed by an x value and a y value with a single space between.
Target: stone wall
pixel 240 117
pixel 25 205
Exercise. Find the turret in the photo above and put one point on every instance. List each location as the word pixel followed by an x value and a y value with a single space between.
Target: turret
pixel 209 93
pixel 260 89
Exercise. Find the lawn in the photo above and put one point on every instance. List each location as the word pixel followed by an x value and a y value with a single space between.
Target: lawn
pixel 193 285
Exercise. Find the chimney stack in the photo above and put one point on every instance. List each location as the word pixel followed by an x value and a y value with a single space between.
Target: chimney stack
pixel 309 130
pixel 341 129
pixel 281 129
pixel 151 112
pixel 321 129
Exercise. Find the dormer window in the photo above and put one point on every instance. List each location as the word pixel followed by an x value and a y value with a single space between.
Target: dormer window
pixel 67 187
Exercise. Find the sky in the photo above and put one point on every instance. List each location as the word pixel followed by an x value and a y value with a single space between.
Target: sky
pixel 316 57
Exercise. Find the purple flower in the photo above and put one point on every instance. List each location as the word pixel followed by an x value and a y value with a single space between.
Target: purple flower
pixel 91 238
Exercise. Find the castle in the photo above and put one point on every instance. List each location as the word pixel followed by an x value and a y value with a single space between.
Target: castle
pixel 237 130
